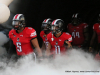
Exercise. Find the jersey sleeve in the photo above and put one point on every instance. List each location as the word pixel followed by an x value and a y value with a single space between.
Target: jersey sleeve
pixel 41 34
pixel 32 32
pixel 68 37
pixel 94 27
pixel 10 34
pixel 85 25
pixel 49 37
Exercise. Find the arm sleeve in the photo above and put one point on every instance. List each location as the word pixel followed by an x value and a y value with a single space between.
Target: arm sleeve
pixel 85 25
pixel 69 37
pixel 94 28
pixel 32 33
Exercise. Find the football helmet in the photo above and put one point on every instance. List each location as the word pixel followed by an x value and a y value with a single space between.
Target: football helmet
pixel 75 19
pixel 18 21
pixel 46 25
pixel 57 26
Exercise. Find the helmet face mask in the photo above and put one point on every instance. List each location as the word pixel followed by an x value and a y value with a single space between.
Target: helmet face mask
pixel 55 29
pixel 45 27
pixel 16 25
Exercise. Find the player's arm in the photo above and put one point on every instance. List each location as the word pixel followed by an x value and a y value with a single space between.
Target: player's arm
pixel 86 34
pixel 67 44
pixel 48 48
pixel 35 43
pixel 68 41
pixel 92 40
pixel 12 49
pixel 43 47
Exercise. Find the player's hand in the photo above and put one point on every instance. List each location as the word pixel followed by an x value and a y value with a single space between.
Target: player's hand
pixel 69 46
pixel 40 59
pixel 97 56
pixel 90 49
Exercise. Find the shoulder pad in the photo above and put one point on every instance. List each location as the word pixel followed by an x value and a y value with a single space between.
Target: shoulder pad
pixel 67 33
pixel 30 28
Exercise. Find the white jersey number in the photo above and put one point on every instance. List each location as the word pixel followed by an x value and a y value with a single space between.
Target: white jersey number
pixel 57 49
pixel 75 34
pixel 19 49
pixel 46 44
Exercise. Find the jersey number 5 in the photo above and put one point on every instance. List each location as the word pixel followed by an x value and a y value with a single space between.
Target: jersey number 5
pixel 19 49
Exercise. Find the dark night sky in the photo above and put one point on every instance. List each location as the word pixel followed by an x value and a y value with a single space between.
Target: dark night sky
pixel 38 10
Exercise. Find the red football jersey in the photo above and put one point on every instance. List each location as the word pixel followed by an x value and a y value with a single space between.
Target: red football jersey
pixel 96 28
pixel 58 43
pixel 22 40
pixel 44 37
pixel 77 33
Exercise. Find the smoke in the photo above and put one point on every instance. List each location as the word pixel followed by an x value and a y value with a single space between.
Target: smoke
pixel 3 40
pixel 74 60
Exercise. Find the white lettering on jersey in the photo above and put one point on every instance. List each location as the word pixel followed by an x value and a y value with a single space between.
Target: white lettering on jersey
pixel 57 49
pixel 19 49
pixel 60 40
pixel 74 34
pixel 33 34
pixel 70 39
pixel 46 44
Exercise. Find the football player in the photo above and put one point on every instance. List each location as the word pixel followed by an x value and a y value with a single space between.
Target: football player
pixel 58 40
pixel 46 29
pixel 79 32
pixel 96 33
pixel 23 37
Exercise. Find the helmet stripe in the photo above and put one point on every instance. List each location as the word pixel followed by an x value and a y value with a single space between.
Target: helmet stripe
pixel 45 20
pixel 76 15
pixel 54 22
pixel 16 16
